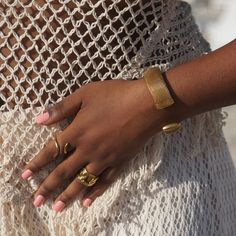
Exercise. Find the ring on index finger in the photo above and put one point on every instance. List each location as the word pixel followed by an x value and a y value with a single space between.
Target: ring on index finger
pixel 61 150
pixel 67 148
pixel 57 145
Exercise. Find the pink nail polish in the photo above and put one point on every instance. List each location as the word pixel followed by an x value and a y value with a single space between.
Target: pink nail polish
pixel 42 118
pixel 39 201
pixel 58 206
pixel 26 174
pixel 87 202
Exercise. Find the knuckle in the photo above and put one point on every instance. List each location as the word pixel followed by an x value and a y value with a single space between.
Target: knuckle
pixel 84 87
pixel 33 166
pixel 91 137
pixel 60 173
pixel 110 160
pixel 97 192
pixel 59 107
pixel 45 189
pixel 109 178
pixel 100 191
pixel 102 149
pixel 65 197
pixel 80 93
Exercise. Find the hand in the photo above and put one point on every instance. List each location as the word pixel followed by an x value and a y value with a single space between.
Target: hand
pixel 113 120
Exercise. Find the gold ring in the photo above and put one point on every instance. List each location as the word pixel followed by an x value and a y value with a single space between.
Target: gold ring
pixel 57 146
pixel 67 148
pixel 86 178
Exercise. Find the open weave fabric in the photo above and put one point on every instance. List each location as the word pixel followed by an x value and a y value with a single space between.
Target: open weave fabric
pixel 183 184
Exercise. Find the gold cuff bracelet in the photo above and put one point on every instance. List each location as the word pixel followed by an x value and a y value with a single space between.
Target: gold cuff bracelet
pixel 161 95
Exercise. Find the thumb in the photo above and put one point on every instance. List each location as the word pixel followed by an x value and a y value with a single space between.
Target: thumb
pixel 67 107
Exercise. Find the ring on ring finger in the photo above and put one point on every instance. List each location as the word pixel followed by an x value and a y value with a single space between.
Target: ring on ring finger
pixel 86 178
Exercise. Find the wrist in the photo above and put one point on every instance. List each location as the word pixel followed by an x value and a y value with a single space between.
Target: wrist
pixel 179 110
pixel 158 118
pixel 171 110
pixel 174 81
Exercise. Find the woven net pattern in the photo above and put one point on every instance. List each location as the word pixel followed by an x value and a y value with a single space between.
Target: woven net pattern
pixel 50 48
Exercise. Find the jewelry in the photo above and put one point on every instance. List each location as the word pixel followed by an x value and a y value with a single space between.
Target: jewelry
pixel 86 178
pixel 67 148
pixel 161 94
pixel 171 128
pixel 57 146
pixel 158 88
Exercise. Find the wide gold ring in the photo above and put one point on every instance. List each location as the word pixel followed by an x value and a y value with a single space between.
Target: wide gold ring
pixel 86 178
pixel 57 146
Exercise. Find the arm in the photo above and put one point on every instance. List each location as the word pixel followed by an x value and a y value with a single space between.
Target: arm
pixel 205 83
pixel 115 118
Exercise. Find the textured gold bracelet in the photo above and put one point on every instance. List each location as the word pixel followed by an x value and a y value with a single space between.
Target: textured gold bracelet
pixel 158 88
pixel 161 95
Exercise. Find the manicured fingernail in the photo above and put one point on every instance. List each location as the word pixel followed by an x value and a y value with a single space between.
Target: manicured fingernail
pixel 42 118
pixel 39 200
pixel 26 174
pixel 87 202
pixel 58 206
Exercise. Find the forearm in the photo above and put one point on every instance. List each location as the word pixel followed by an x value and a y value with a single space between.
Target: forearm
pixel 203 84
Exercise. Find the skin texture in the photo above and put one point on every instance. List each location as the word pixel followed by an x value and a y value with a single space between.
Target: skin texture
pixel 205 83
pixel 113 120
pixel 107 131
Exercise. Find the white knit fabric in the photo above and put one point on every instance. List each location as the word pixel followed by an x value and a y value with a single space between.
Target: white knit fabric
pixel 181 184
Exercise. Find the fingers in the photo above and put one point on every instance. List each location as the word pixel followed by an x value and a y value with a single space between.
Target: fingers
pixel 107 178
pixel 64 171
pixel 76 188
pixel 58 176
pixel 49 153
pixel 68 106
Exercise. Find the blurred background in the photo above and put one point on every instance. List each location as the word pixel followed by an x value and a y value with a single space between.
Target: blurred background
pixel 217 21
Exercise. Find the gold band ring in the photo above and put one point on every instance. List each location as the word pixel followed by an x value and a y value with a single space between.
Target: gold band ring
pixel 86 178
pixel 57 146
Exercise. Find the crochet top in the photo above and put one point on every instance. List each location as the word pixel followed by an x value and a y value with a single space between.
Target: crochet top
pixel 50 48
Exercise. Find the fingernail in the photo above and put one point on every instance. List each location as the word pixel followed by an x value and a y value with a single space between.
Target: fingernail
pixel 39 201
pixel 26 174
pixel 58 206
pixel 87 202
pixel 42 118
